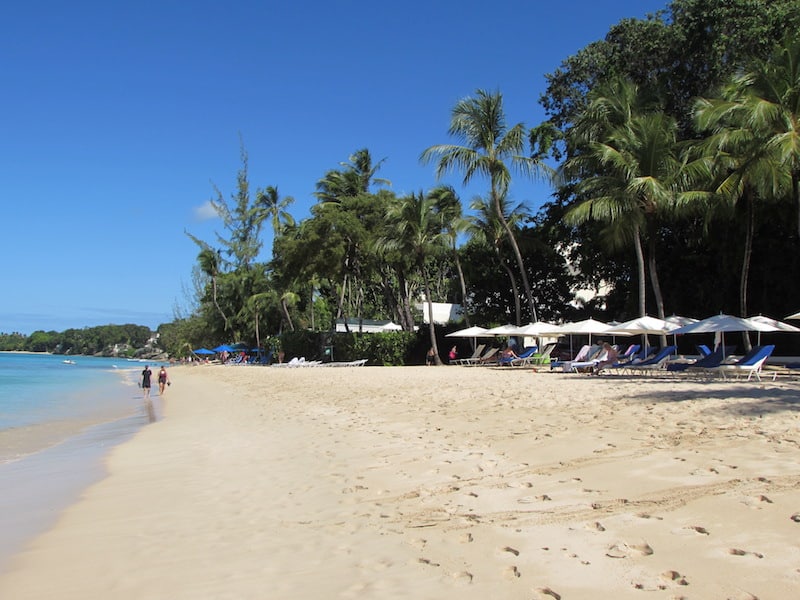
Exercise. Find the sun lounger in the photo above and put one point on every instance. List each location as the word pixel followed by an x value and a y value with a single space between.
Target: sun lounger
pixel 486 356
pixel 588 359
pixel 489 358
pixel 657 363
pixel 581 355
pixel 475 356
pixel 700 366
pixel 519 359
pixel 751 363
pixel 542 357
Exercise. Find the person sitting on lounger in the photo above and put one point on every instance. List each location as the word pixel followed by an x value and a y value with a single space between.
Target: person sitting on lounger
pixel 612 356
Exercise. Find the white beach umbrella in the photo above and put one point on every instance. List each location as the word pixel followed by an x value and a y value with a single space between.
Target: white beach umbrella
pixel 643 326
pixel 469 332
pixel 680 321
pixel 587 326
pixel 794 316
pixel 538 329
pixel 780 326
pixel 723 323
pixel 503 330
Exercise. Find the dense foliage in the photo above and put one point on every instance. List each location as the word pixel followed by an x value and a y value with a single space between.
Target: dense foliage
pixel 675 141
pixel 116 340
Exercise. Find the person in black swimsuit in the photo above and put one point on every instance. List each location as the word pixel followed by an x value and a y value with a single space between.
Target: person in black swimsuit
pixel 146 380
pixel 163 381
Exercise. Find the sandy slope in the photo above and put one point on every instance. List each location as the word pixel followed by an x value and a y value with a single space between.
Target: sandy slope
pixel 449 482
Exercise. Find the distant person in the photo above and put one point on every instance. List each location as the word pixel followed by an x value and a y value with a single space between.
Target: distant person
pixel 163 381
pixel 612 357
pixel 146 374
pixel 453 355
pixel 430 357
pixel 509 354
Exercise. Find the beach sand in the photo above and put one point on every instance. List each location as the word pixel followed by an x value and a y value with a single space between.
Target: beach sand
pixel 441 482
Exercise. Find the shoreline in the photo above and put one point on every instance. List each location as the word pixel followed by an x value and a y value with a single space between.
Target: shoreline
pixel 46 465
pixel 396 482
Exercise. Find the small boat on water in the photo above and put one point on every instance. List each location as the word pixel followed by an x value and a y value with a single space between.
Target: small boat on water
pixel 69 362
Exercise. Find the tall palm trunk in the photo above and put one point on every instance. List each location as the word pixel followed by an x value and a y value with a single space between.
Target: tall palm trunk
pixel 654 280
pixel 463 282
pixel 517 254
pixel 637 244
pixel 216 303
pixel 747 254
pixel 431 329
pixel 286 315
pixel 514 288
pixel 796 194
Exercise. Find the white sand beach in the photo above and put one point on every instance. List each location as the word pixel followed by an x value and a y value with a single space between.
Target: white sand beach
pixel 442 482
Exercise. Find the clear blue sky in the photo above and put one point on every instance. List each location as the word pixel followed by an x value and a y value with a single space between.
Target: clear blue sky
pixel 118 118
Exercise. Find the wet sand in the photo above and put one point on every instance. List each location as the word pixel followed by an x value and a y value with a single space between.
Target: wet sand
pixel 446 482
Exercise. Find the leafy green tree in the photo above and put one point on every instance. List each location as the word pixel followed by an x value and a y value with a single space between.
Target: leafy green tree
pixel 270 200
pixel 419 234
pixel 683 52
pixel 447 205
pixel 490 148
pixel 629 169
pixel 353 179
pixel 753 166
pixel 486 227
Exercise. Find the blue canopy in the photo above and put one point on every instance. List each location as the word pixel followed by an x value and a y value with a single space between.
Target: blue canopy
pixel 223 348
pixel 203 351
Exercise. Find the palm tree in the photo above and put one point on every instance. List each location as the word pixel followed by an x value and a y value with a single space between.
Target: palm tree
pixel 490 148
pixel 772 108
pixel 418 234
pixel 447 205
pixel 486 227
pixel 355 178
pixel 209 261
pixel 275 206
pixel 751 163
pixel 630 172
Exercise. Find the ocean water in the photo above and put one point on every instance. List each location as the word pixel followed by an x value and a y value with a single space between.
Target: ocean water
pixel 58 420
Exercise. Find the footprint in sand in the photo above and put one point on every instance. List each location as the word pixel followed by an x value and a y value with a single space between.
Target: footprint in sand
pixel 547 594
pixel 674 577
pixel 466 538
pixel 511 572
pixel 627 550
pixel 649 516
pixel 739 552
pixel 795 517
pixel 511 550
pixel 596 526
pixel 462 576
pixel 427 561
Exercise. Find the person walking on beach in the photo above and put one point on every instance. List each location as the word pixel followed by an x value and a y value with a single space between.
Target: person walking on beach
pixel 146 380
pixel 163 381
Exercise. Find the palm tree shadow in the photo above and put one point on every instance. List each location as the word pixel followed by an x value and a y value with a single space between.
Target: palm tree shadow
pixel 747 400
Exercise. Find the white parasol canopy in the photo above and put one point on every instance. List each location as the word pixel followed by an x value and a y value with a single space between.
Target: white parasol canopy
pixel 469 332
pixel 643 326
pixel 780 326
pixel 723 323
pixel 680 321
pixel 794 316
pixel 538 329
pixel 503 330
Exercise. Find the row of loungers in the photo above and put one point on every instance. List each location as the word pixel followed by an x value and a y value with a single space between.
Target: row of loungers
pixel 489 357
pixel 633 362
pixel 714 364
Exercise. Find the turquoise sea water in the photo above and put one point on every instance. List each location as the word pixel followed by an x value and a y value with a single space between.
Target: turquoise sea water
pixel 57 422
